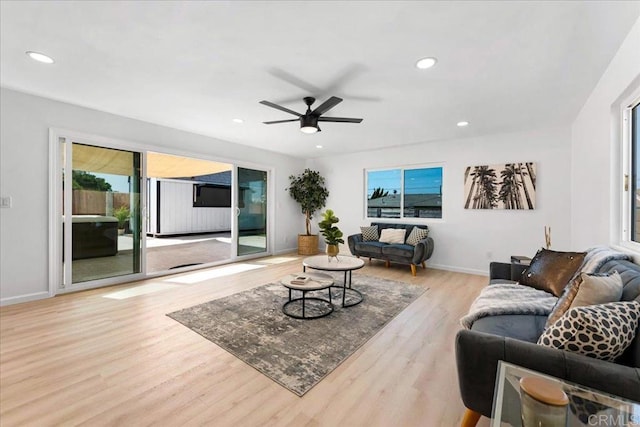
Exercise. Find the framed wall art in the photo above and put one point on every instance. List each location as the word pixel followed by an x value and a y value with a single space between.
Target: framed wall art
pixel 500 186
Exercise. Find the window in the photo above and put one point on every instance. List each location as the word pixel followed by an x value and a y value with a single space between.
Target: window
pixel 633 120
pixel 404 193
pixel 211 196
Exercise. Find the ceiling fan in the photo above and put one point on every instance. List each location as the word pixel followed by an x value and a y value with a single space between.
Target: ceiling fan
pixel 309 120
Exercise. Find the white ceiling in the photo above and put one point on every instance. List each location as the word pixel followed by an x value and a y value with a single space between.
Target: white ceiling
pixel 503 66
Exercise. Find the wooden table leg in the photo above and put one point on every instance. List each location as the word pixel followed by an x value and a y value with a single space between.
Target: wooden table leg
pixel 470 418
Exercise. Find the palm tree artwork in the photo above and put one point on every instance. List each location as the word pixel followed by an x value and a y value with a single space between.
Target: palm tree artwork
pixel 502 186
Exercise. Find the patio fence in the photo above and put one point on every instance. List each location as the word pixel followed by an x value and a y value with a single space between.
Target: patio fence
pixel 90 202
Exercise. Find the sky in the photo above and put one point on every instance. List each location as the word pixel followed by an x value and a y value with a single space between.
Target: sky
pixel 119 183
pixel 416 181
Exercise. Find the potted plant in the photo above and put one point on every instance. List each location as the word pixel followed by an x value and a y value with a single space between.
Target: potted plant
pixel 332 234
pixel 309 191
pixel 122 214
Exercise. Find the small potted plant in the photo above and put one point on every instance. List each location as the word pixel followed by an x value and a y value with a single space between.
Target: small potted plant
pixel 309 191
pixel 122 214
pixel 332 234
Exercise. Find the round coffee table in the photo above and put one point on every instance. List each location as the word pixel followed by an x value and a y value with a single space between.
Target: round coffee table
pixel 339 263
pixel 316 282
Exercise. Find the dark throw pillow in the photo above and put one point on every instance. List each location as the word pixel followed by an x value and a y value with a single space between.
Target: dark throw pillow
pixel 551 270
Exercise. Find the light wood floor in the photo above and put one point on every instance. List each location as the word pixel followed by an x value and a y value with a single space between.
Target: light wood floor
pixel 85 359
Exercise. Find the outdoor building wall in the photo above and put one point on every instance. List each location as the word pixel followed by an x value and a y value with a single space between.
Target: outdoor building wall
pixel 177 214
pixel 24 175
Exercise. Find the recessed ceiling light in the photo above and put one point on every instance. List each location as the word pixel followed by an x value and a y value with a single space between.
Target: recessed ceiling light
pixel 425 63
pixel 40 57
pixel 318 146
pixel 238 121
pixel 462 124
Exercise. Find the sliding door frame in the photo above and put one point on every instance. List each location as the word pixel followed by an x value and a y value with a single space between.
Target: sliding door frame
pixel 235 214
pixel 60 280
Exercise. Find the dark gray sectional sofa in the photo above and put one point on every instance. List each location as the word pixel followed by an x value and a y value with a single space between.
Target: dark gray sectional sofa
pixel 400 253
pixel 512 338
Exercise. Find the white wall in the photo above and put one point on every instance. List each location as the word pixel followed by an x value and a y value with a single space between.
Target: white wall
pixel 466 240
pixel 24 161
pixel 595 150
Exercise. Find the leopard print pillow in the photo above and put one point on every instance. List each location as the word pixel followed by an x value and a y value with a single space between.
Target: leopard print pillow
pixel 601 331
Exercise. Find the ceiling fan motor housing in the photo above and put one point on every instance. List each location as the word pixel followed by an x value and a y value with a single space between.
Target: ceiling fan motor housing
pixel 309 120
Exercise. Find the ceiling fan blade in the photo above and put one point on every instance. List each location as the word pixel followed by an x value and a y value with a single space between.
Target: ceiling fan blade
pixel 339 119
pixel 326 106
pixel 296 81
pixel 347 74
pixel 278 107
pixel 281 121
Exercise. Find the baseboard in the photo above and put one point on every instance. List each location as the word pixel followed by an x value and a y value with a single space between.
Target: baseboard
pixel 286 251
pixel 458 269
pixel 24 298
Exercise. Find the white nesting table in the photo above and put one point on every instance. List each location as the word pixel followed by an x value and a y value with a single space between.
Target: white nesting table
pixel 339 263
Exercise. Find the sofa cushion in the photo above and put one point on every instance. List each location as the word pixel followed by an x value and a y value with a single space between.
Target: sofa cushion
pixel 551 270
pixel 600 331
pixel 630 275
pixel 389 235
pixel 374 248
pixel 598 289
pixel 369 234
pixel 523 327
pixel 416 235
pixel 398 250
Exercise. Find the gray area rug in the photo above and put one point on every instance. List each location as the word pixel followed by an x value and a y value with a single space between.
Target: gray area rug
pixel 297 354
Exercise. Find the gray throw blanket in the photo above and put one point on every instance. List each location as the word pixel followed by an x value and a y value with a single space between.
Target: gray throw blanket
pixel 508 298
pixel 598 256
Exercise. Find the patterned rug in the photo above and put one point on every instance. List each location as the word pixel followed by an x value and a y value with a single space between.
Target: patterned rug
pixel 297 354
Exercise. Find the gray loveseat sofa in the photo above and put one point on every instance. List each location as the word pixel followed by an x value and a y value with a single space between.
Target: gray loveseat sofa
pixel 512 338
pixel 400 253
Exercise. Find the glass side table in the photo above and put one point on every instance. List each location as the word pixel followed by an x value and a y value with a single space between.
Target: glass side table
pixel 587 407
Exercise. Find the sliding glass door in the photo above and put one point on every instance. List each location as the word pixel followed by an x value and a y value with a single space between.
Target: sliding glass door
pixel 102 221
pixel 251 190
pixel 120 214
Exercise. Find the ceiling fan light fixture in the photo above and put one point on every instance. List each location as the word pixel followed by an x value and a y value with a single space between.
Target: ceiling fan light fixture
pixel 425 63
pixel 308 124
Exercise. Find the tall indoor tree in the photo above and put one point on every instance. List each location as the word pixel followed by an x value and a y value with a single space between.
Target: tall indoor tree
pixel 308 189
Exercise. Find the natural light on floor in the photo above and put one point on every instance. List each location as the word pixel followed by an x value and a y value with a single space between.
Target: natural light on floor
pixel 140 290
pixel 277 260
pixel 201 276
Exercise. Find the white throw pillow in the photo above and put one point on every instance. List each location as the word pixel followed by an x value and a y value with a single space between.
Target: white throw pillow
pixel 392 235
